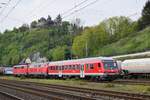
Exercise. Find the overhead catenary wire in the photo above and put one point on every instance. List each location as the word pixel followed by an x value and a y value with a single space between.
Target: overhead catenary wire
pixel 10 11
pixel 134 14
pixel 74 7
pixel 40 6
pixel 80 9
pixel 6 4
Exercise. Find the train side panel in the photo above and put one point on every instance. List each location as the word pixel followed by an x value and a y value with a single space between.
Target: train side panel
pixel 38 69
pixel 19 70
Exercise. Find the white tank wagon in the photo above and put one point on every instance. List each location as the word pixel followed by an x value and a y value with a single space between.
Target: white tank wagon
pixel 138 67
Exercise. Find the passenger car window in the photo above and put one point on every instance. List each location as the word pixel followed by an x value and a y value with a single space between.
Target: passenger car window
pixel 99 65
pixel 78 66
pixel 91 66
pixel 62 67
pixel 74 67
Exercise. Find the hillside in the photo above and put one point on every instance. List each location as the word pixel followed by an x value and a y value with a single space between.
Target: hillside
pixel 55 40
pixel 51 38
pixel 137 42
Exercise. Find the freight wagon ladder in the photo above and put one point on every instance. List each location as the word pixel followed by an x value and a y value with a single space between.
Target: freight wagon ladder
pixel 82 75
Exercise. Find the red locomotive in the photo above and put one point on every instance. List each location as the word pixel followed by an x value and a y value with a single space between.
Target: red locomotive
pixel 99 68
pixel 19 70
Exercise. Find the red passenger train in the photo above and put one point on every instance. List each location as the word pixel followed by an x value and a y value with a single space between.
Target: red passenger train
pixel 99 68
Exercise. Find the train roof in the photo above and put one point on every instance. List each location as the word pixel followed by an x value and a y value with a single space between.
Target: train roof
pixel 19 65
pixel 73 61
pixel 137 60
pixel 80 61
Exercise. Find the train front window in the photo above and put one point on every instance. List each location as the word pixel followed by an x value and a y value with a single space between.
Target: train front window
pixel 110 65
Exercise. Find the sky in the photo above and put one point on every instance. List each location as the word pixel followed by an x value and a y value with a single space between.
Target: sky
pixel 93 13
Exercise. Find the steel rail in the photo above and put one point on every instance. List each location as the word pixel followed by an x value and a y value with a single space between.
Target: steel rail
pixel 8 95
pixel 95 93
pixel 59 95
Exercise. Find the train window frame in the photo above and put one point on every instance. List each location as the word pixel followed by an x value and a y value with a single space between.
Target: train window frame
pixel 62 67
pixel 49 67
pixel 65 67
pixel 99 65
pixel 74 67
pixel 91 66
pixel 70 67
pixel 78 67
pixel 56 67
pixel 59 67
pixel 87 66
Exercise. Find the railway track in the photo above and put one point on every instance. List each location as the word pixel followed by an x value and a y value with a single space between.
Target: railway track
pixel 77 92
pixel 52 94
pixel 8 96
pixel 132 81
pixel 32 92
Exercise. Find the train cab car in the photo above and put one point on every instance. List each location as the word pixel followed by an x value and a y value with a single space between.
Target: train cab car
pixel 111 70
pixel 20 70
pixel 38 69
pixel 99 68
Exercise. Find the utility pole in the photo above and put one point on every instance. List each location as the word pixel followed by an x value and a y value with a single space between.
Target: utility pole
pixel 86 49
pixel 49 41
pixel 71 32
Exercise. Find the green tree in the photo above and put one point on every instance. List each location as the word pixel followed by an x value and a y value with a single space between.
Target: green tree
pixel 144 21
pixel 119 27
pixel 89 41
pixel 58 53
pixel 49 21
pixel 24 28
pixel 33 24
pixel 58 20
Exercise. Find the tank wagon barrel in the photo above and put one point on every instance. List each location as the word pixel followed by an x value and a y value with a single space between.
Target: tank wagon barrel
pixel 136 67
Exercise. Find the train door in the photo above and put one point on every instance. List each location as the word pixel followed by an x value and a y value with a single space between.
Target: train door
pixel 82 75
pixel 60 71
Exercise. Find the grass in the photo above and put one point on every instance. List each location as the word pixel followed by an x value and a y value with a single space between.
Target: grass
pixel 83 83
